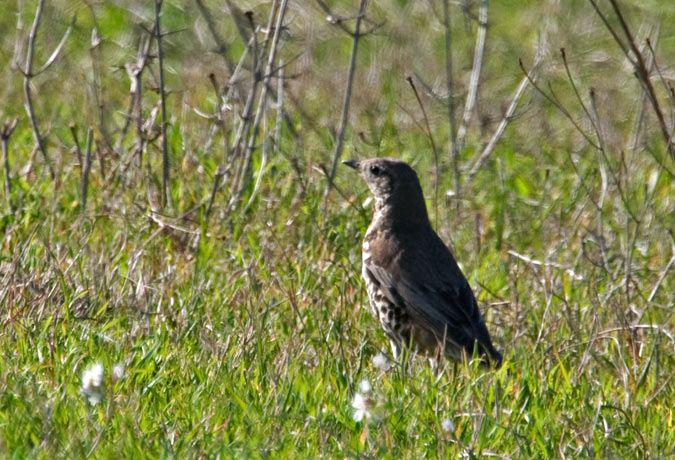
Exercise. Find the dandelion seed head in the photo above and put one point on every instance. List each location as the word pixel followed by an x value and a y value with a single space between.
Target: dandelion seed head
pixel 364 386
pixel 92 383
pixel 381 362
pixel 361 407
pixel 447 425
pixel 118 372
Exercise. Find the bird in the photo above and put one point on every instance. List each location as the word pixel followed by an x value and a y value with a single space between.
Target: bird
pixel 415 288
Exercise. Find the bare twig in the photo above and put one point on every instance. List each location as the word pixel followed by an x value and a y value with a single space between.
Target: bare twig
pixel 97 58
pixel 28 75
pixel 274 45
pixel 220 43
pixel 642 73
pixel 538 263
pixel 162 92
pixel 348 94
pixel 633 54
pixel 224 170
pixel 240 18
pixel 596 126
pixel 554 100
pixel 266 141
pixel 334 19
pixel 663 274
pixel 216 181
pixel 221 46
pixel 86 169
pixel 7 130
pixel 433 147
pixel 280 107
pixel 475 76
pixel 78 151
pixel 57 50
pixel 453 147
pixel 245 123
pixel 601 148
pixel 487 151
pixel 652 61
pixel 640 118
pixel 135 72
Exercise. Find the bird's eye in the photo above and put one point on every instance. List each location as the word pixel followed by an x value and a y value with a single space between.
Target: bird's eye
pixel 375 170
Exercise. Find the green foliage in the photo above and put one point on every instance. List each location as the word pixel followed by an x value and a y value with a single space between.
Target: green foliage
pixel 245 333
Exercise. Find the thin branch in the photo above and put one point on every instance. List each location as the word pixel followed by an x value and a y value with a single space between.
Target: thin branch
pixel 475 75
pixel 581 101
pixel 239 18
pixel 28 75
pixel 18 43
pixel 57 51
pixel 216 180
pixel 603 152
pixel 223 170
pixel 244 125
pixel 78 151
pixel 348 94
pixel 653 61
pixel 433 147
pixel 280 107
pixel 663 274
pixel 222 48
pixel 96 56
pixel 86 169
pixel 453 146
pixel 487 151
pixel 643 73
pixel 611 31
pixel 335 19
pixel 552 98
pixel 220 43
pixel 135 72
pixel 276 135
pixel 162 92
pixel 639 119
pixel 263 95
pixel 638 61
pixel 6 132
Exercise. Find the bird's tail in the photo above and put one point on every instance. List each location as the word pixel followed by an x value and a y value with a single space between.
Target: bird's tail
pixel 496 358
pixel 490 356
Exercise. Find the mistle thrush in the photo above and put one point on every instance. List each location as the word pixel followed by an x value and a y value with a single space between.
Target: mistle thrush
pixel 415 287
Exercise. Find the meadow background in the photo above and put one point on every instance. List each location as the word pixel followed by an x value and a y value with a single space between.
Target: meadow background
pixel 196 256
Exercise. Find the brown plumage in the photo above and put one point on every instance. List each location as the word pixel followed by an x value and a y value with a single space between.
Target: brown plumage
pixel 415 287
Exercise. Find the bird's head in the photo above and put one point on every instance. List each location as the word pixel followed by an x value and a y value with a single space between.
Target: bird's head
pixel 385 176
pixel 393 183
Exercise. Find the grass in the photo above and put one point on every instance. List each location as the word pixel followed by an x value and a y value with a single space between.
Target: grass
pixel 245 333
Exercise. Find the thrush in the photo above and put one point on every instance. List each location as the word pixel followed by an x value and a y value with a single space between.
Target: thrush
pixel 415 288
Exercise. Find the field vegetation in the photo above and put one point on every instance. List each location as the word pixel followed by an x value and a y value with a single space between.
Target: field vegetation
pixel 180 258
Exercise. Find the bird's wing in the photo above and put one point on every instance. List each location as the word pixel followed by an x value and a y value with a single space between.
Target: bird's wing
pixel 437 310
pixel 436 294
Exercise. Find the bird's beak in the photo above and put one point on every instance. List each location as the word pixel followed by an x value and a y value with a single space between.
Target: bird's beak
pixel 352 163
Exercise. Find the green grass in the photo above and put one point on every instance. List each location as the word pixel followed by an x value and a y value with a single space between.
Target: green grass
pixel 247 335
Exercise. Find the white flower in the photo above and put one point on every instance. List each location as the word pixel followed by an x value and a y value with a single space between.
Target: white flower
pixel 448 425
pixel 381 362
pixel 92 383
pixel 364 386
pixel 118 372
pixel 361 406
